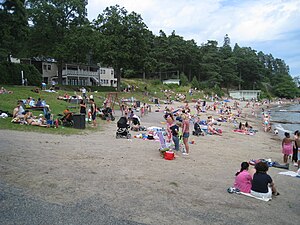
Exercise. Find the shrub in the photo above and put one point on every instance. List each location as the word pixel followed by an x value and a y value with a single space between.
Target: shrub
pixel 10 73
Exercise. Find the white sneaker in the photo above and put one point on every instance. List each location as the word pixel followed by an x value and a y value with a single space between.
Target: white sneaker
pixel 185 154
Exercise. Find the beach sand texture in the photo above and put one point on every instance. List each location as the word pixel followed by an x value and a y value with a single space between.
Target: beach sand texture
pixel 98 179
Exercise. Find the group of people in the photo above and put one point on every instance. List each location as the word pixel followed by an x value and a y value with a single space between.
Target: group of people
pixel 291 147
pixel 259 185
pixel 24 116
pixel 177 128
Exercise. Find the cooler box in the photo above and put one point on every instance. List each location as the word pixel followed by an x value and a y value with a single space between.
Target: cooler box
pixel 169 155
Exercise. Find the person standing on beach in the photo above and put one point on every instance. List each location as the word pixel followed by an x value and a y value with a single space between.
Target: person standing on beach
pixel 186 133
pixel 296 149
pixel 93 112
pixel 287 147
pixel 82 107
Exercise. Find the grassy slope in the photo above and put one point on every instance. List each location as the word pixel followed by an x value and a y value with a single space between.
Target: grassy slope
pixel 9 101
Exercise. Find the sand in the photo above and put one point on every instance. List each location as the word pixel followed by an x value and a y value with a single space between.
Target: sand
pixel 133 184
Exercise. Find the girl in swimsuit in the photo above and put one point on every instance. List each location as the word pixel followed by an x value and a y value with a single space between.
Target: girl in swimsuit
pixel 287 147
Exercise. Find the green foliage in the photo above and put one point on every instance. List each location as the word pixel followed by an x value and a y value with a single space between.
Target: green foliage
pixel 195 83
pixel 13 28
pixel 183 79
pixel 10 73
pixel 118 39
pixel 286 88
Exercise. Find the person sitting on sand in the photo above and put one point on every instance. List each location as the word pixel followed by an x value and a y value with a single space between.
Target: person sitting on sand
pixel 262 184
pixel 243 179
pixel 213 130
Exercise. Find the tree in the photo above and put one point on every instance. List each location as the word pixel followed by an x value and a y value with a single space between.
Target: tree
pixel 123 45
pixel 195 83
pixel 51 22
pixel 13 28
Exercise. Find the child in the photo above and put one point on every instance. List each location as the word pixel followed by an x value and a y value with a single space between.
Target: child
pixel 243 179
pixel 175 135
pixel 287 147
pixel 262 184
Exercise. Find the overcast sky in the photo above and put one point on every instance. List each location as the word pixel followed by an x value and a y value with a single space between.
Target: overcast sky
pixel 270 26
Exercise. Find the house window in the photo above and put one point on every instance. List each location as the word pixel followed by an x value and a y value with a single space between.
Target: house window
pixel 45 67
pixel 49 67
pixel 112 72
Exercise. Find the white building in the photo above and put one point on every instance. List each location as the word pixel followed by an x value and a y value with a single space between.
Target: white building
pixel 84 75
pixel 245 94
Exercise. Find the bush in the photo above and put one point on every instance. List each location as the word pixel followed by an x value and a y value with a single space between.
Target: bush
pixel 195 83
pixel 184 80
pixel 10 73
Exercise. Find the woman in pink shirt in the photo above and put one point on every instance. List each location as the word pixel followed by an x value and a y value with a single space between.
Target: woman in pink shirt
pixel 243 179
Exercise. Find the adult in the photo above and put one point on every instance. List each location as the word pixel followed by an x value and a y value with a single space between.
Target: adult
pixel 93 112
pixel 82 107
pixel 83 90
pixel 243 179
pixel 262 184
pixel 296 148
pixel 186 133
pixel 19 110
pixel 170 122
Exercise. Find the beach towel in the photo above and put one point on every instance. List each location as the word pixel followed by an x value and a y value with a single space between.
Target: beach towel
pixel 290 173
pixel 252 196
pixel 233 190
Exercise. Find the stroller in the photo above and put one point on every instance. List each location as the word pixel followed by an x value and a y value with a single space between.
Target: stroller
pixel 197 130
pixel 122 131
pixel 107 114
pixel 67 119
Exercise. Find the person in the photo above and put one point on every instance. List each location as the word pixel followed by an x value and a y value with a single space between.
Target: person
pixel 170 122
pixel 185 133
pixel 93 112
pixel 82 107
pixel 83 90
pixel 175 135
pixel 212 130
pixel 287 146
pixel 19 110
pixel 243 179
pixel 262 184
pixel 266 123
pixel 296 149
pixel 38 103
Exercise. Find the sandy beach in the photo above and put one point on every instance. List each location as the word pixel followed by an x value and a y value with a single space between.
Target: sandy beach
pixel 97 179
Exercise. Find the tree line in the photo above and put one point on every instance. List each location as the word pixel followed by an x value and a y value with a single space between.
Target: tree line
pixel 61 30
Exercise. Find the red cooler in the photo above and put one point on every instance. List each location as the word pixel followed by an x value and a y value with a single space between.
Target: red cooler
pixel 169 155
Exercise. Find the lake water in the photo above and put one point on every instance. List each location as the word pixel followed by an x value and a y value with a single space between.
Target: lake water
pixel 288 114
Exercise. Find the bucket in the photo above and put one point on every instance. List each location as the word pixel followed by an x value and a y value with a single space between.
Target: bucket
pixel 169 155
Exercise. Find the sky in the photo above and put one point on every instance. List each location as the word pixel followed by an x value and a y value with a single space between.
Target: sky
pixel 270 26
